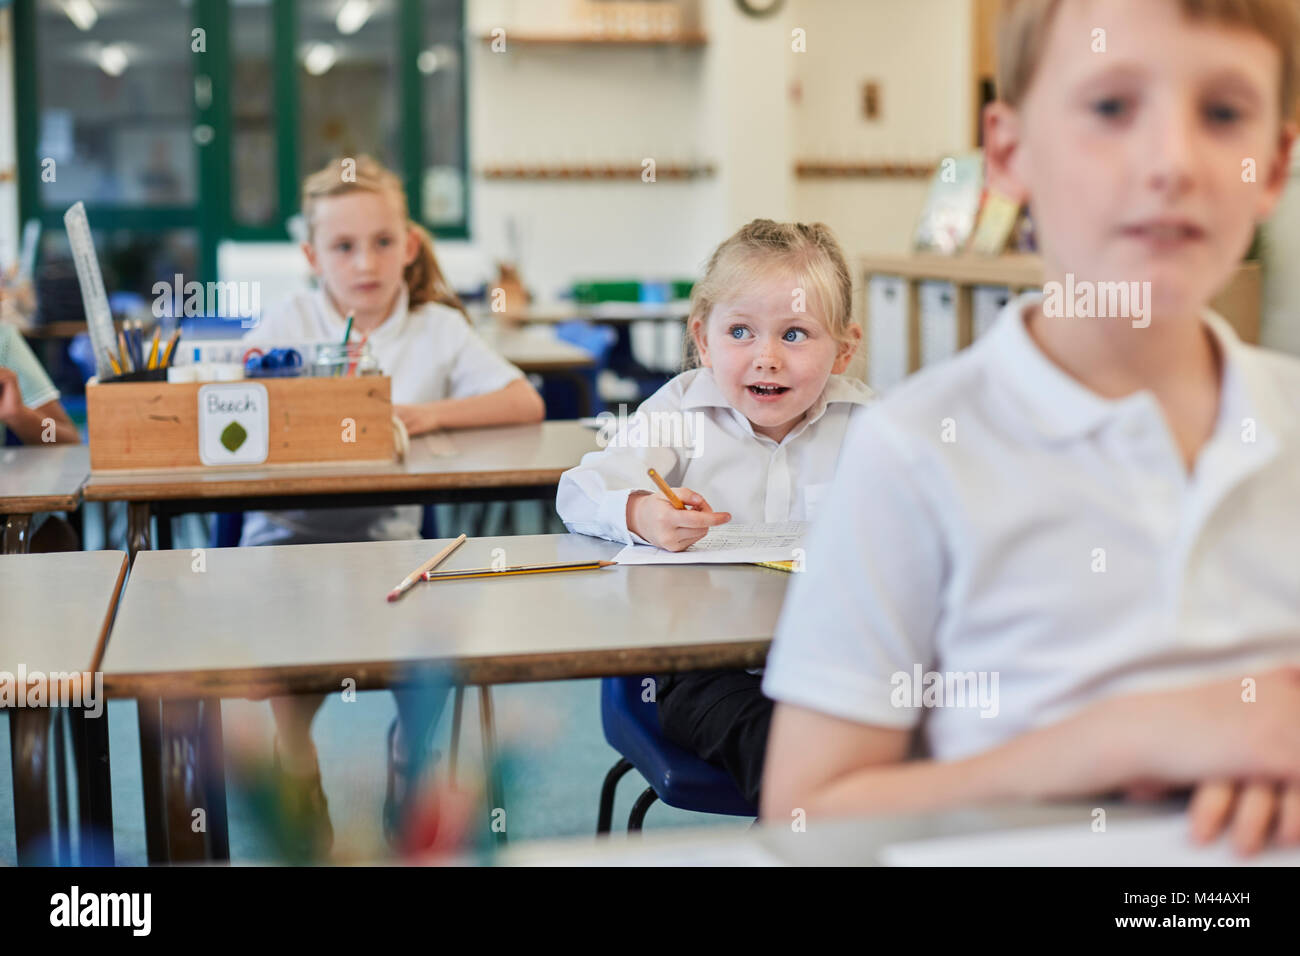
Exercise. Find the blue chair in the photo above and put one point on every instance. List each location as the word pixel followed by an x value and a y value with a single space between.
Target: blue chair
pixel 676 776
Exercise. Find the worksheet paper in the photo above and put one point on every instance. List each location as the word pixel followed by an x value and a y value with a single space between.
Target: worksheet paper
pixel 1162 841
pixel 727 544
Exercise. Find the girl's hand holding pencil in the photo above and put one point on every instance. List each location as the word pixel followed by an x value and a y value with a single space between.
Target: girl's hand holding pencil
pixel 674 519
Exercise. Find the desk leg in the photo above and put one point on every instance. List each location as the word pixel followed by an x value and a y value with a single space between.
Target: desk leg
pixel 94 786
pixel 59 761
pixel 184 794
pixel 29 749
pixel 17 535
pixel 194 780
pixel 137 528
pixel 155 829
pixel 213 761
pixel 496 793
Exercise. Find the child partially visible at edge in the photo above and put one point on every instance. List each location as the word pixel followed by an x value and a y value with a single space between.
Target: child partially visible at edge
pixel 1110 526
pixel 771 330
pixel 376 265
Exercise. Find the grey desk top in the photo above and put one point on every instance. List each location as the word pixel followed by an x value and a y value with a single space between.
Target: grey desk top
pixel 302 618
pixel 42 477
pixel 55 608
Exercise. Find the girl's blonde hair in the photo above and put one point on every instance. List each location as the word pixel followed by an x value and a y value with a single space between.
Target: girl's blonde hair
pixel 808 252
pixel 424 279
pixel 1023 26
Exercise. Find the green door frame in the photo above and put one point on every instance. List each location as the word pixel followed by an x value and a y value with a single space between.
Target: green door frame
pixel 212 216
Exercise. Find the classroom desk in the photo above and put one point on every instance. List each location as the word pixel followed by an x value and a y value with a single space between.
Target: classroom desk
pixel 44 634
pixel 538 351
pixel 38 478
pixel 846 842
pixel 516 462
pixel 309 616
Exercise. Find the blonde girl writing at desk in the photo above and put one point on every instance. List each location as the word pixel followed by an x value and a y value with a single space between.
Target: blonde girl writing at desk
pixel 763 416
pixel 374 264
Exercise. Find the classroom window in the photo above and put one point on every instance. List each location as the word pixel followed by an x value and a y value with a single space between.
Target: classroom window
pixel 114 110
pixel 254 152
pixel 348 85
pixel 443 84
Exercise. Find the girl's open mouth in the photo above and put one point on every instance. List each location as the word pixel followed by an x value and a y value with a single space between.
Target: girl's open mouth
pixel 767 391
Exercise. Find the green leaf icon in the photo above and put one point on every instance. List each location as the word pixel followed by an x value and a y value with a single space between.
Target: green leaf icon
pixel 232 436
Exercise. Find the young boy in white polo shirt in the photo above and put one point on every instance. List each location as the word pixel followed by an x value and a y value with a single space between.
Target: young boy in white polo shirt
pixel 1070 556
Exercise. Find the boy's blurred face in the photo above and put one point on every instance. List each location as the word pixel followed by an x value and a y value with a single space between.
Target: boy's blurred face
pixel 1135 158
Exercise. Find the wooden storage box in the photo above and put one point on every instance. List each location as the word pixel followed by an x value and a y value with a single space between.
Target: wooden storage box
pixel 152 425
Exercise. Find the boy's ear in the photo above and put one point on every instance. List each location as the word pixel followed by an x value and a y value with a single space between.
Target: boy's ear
pixel 309 251
pixel 1002 152
pixel 1279 175
pixel 847 349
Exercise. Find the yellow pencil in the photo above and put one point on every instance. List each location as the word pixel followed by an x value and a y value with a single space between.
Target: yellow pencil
pixel 409 581
pixel 153 349
pixel 668 492
pixel 171 347
pixel 517 569
pixel 117 369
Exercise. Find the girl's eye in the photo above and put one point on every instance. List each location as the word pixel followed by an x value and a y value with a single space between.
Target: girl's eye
pixel 385 241
pixel 738 331
pixel 794 335
pixel 343 246
pixel 1112 107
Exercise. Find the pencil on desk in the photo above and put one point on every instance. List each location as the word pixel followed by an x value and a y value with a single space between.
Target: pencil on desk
pixel 668 492
pixel 409 581
pixel 517 569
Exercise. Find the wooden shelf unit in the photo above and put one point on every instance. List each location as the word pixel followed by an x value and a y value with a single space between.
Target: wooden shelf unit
pixel 1239 302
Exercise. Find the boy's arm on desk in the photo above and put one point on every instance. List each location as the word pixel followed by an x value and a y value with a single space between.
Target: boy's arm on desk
pixel 831 766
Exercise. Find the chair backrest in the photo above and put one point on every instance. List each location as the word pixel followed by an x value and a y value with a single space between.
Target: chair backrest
pixel 621 699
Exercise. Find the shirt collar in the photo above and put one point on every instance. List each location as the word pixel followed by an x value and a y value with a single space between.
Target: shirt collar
pixel 703 392
pixel 1062 408
pixel 392 325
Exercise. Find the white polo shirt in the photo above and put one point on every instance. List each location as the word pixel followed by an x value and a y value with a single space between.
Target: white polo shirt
pixel 431 353
pixel 714 451
pixel 994 516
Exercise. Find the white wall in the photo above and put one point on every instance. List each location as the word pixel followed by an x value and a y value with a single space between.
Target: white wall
pixel 729 103
pixel 920 54
pixel 723 103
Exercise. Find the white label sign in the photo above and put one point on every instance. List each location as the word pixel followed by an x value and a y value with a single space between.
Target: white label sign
pixel 233 424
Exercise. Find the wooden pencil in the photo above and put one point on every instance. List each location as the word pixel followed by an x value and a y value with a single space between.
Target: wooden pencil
pixel 517 569
pixel 668 492
pixel 409 581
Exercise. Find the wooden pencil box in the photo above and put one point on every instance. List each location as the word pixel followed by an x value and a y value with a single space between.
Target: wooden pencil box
pixel 250 423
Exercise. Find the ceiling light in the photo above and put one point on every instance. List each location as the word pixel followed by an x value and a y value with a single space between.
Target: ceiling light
pixel 352 16
pixel 320 57
pixel 112 59
pixel 81 12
